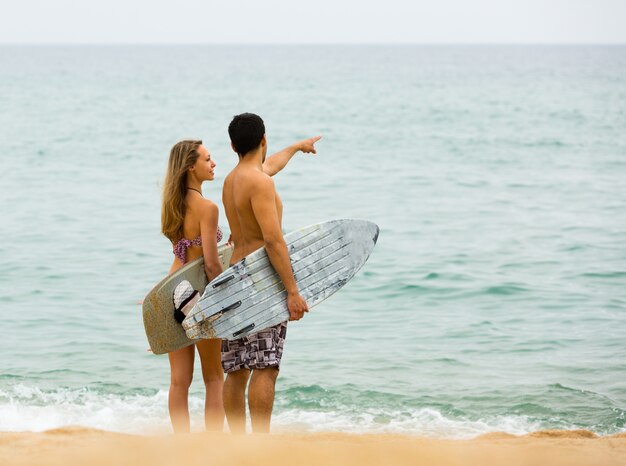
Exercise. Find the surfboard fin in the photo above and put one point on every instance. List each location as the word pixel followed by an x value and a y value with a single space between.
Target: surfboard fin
pixel 185 298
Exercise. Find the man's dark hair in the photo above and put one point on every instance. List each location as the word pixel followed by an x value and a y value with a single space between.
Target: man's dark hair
pixel 246 131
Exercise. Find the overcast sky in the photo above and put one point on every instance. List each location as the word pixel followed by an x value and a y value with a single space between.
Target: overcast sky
pixel 315 21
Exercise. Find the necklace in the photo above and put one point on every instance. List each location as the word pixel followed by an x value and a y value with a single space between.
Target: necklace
pixel 194 189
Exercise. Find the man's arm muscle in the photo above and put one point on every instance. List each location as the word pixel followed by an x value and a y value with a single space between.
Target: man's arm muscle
pixel 263 202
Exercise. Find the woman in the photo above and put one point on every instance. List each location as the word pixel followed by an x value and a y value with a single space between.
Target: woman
pixel 189 221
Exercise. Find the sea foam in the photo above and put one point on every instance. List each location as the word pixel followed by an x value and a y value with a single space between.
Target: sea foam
pixel 28 408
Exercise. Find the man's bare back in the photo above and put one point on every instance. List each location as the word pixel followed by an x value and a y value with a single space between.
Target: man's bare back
pixel 239 187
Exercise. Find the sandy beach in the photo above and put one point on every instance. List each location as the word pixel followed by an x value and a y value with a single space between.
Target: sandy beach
pixel 76 445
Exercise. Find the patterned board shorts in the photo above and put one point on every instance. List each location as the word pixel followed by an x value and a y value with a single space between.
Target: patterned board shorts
pixel 256 351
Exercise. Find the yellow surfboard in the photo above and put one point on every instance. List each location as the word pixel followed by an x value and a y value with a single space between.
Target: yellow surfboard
pixel 164 333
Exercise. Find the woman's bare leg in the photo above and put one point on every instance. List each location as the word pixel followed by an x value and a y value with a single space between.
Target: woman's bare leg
pixel 213 375
pixel 181 369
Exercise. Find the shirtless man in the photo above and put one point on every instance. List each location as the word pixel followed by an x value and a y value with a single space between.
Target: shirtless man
pixel 254 213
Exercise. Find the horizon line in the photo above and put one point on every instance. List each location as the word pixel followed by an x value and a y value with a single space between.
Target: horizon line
pixel 44 44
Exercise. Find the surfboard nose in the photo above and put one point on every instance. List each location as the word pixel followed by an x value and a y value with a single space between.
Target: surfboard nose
pixel 367 229
pixel 376 232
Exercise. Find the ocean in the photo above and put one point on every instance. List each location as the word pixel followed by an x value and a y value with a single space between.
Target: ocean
pixel 495 299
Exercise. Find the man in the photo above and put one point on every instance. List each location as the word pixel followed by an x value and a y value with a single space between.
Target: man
pixel 254 213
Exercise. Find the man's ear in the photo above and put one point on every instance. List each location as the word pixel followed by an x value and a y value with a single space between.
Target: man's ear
pixel 263 141
pixel 233 147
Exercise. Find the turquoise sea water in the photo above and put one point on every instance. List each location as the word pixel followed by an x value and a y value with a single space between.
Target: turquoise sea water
pixel 495 299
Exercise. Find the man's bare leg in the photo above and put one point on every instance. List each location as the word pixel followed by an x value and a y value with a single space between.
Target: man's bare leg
pixel 261 398
pixel 235 400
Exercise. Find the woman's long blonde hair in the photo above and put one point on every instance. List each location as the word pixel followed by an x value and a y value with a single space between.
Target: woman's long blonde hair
pixel 183 156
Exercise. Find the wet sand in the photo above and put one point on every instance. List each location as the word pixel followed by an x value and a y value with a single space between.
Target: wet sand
pixel 76 445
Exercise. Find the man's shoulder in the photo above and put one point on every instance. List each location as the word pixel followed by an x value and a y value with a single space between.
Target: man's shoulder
pixel 228 181
pixel 230 174
pixel 255 179
pixel 261 181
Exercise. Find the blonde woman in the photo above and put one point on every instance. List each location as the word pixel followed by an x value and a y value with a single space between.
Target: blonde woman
pixel 189 221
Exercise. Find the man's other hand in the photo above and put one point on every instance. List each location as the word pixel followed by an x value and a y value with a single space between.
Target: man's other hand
pixel 297 306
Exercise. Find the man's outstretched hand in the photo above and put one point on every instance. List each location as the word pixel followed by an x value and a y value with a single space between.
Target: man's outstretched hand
pixel 297 306
pixel 308 145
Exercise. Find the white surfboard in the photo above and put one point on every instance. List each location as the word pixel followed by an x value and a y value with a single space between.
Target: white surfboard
pixel 250 296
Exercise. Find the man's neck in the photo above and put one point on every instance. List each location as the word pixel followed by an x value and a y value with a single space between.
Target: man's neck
pixel 253 159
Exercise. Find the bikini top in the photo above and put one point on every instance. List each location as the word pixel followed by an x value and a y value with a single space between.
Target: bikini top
pixel 180 248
